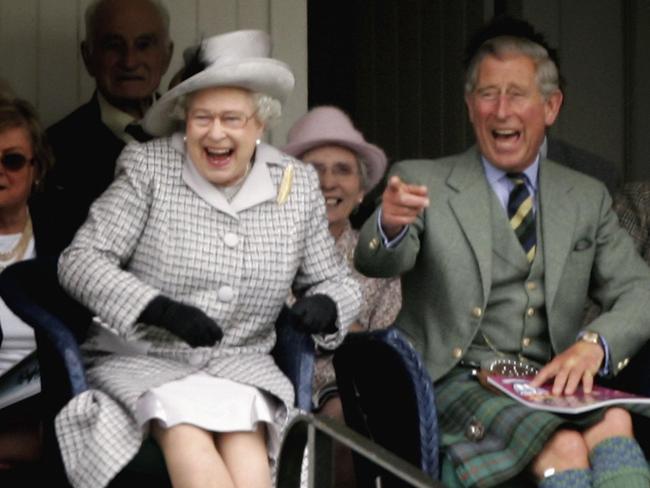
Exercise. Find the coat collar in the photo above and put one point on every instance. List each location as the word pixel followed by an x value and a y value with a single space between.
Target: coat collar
pixel 258 187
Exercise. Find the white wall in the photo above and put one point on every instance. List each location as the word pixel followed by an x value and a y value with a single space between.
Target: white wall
pixel 40 59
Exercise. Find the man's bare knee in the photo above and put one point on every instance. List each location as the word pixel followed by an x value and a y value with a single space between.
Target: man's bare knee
pixel 617 422
pixel 567 444
pixel 566 449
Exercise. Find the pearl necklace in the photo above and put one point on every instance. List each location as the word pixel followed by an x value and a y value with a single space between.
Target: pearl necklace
pixel 18 251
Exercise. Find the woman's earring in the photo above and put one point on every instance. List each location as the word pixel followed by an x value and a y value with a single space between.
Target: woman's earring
pixel 184 138
pixel 257 142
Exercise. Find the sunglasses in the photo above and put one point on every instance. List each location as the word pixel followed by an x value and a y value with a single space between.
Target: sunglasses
pixel 14 161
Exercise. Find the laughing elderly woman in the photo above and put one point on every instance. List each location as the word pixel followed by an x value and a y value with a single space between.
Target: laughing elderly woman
pixel 187 258
pixel 348 167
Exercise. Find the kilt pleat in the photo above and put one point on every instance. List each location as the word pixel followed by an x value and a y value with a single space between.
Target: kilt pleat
pixel 512 433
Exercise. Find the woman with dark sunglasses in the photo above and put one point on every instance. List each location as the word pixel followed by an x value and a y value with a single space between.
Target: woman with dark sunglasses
pixel 24 160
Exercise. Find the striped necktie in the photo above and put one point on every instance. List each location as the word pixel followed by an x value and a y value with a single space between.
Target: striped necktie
pixel 521 215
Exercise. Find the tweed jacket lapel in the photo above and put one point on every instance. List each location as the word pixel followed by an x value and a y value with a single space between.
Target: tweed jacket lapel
pixel 558 213
pixel 471 207
pixel 257 188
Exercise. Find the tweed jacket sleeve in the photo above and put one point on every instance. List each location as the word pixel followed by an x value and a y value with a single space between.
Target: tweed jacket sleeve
pixel 329 273
pixel 371 257
pixel 632 205
pixel 105 242
pixel 618 279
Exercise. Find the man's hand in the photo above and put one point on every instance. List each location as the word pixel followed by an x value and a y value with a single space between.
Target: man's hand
pixel 401 204
pixel 580 363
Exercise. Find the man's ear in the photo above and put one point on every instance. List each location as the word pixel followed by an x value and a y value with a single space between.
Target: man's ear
pixel 87 57
pixel 552 106
pixel 470 107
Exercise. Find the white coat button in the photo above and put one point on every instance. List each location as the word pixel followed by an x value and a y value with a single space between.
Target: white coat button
pixel 230 239
pixel 477 312
pixel 226 294
pixel 457 352
pixel 525 342
pixel 530 312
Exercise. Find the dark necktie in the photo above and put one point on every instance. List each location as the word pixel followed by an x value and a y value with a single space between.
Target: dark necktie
pixel 136 131
pixel 521 215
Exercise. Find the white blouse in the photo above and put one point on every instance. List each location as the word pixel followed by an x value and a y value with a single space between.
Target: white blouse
pixel 18 338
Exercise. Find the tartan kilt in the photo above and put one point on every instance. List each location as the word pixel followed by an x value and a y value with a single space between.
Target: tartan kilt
pixel 513 433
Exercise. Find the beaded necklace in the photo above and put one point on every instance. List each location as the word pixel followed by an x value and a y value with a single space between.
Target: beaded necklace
pixel 18 251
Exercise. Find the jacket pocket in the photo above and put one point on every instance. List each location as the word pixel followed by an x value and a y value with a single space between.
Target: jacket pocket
pixel 583 244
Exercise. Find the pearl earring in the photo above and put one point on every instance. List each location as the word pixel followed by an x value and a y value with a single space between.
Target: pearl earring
pixel 257 142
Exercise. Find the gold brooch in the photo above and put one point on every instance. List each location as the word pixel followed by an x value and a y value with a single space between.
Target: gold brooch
pixel 285 185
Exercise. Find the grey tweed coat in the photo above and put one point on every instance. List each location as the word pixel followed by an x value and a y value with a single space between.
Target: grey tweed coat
pixel 161 228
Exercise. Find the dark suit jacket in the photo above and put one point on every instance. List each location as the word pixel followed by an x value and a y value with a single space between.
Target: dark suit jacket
pixel 585 162
pixel 85 152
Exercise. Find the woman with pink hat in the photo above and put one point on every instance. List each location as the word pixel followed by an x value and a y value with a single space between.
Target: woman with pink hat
pixel 348 167
pixel 186 260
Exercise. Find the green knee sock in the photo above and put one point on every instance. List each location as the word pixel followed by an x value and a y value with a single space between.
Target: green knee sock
pixel 619 462
pixel 571 478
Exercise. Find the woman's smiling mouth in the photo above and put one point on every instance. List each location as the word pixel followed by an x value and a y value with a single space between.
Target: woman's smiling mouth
pixel 218 157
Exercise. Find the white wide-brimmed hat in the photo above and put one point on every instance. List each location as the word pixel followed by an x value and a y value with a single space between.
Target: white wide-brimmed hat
pixel 328 125
pixel 238 59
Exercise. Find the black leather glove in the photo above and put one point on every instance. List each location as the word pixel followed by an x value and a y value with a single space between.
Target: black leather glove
pixel 315 314
pixel 184 321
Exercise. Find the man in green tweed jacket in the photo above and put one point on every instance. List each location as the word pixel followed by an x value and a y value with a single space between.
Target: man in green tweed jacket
pixel 498 250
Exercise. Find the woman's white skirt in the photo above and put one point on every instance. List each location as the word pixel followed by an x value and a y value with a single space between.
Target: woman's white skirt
pixel 214 404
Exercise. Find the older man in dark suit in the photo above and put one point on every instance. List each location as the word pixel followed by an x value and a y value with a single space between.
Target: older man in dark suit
pixel 127 50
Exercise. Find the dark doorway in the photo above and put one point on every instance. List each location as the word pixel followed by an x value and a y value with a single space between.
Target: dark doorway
pixel 396 68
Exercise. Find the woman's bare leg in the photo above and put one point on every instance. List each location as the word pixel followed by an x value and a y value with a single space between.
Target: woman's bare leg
pixel 192 457
pixel 245 456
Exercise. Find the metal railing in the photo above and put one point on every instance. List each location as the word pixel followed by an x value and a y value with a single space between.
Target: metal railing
pixel 318 435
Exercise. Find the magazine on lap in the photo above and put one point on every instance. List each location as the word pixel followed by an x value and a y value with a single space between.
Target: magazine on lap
pixel 21 381
pixel 542 398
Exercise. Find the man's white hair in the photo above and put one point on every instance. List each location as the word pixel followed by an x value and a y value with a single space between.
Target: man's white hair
pixel 90 17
